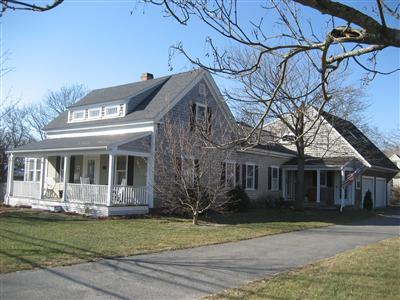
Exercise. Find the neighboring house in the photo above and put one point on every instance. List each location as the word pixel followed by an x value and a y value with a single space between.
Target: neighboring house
pixel 340 151
pixel 99 156
pixel 394 184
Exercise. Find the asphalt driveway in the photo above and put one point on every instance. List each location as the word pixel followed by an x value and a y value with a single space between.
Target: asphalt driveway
pixel 192 273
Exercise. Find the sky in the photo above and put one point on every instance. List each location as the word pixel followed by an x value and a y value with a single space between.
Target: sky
pixel 106 43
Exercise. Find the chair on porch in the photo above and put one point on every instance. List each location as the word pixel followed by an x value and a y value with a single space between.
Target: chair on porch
pixel 120 194
pixel 50 188
pixel 84 180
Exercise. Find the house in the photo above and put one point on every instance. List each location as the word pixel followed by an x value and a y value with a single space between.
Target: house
pixel 341 163
pixel 99 156
pixel 394 184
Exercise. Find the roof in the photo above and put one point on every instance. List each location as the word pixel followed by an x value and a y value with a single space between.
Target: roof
pixel 105 142
pixel 149 99
pixel 367 149
pixel 325 161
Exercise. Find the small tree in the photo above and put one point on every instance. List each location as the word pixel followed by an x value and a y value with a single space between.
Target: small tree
pixel 189 171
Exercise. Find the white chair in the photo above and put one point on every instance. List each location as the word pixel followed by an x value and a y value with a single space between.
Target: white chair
pixel 84 180
pixel 121 190
pixel 50 187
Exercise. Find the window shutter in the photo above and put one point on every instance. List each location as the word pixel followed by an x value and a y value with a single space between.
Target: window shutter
pixel 192 116
pixel 209 115
pixel 256 177
pixel 244 176
pixel 280 178
pixel 72 169
pixel 130 171
pixel 269 178
pixel 223 174
pixel 237 174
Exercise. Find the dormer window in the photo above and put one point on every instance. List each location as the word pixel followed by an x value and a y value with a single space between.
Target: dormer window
pixel 201 113
pixel 94 113
pixel 112 111
pixel 78 115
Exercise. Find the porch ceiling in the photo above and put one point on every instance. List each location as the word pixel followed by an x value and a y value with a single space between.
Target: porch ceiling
pixel 104 142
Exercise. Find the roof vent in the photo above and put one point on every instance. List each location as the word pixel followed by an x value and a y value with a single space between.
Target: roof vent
pixel 146 76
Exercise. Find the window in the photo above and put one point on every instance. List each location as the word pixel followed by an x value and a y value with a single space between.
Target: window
pixel 78 115
pixel 188 170
pixel 274 178
pixel 202 90
pixel 250 177
pixel 201 111
pixel 358 182
pixel 94 113
pixel 121 170
pixel 323 178
pixel 112 111
pixel 288 138
pixel 230 172
pixel 32 169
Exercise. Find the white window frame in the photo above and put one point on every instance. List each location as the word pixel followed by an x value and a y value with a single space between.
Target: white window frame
pixel 107 115
pixel 253 186
pixel 36 170
pixel 92 110
pixel 74 118
pixel 116 170
pixel 232 163
pixel 323 172
pixel 275 188
pixel 205 113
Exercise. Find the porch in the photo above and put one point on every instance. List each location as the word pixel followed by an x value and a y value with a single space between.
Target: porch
pixel 325 182
pixel 112 182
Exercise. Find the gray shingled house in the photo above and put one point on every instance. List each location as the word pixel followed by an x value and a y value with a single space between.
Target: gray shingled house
pixel 99 155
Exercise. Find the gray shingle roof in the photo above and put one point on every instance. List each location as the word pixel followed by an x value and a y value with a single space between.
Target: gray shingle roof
pixel 360 142
pixel 150 98
pixel 88 142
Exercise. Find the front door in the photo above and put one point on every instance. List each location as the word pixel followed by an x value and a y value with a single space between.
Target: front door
pixel 92 170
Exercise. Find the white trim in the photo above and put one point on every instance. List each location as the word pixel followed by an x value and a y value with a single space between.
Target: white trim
pixel 102 133
pixel 253 187
pixel 272 176
pixel 100 127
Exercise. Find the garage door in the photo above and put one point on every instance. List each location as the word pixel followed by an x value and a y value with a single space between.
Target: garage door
pixel 367 185
pixel 380 192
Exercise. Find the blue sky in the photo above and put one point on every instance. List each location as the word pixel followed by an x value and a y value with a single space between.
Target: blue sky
pixel 100 44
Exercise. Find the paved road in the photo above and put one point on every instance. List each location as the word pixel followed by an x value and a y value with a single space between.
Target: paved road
pixel 192 273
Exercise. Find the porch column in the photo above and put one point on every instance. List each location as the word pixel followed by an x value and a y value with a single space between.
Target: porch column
pixel 110 178
pixel 66 176
pixel 318 185
pixel 41 180
pixel 150 171
pixel 283 183
pixel 10 175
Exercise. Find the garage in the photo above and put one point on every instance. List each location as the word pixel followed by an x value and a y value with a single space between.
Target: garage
pixel 380 192
pixel 367 185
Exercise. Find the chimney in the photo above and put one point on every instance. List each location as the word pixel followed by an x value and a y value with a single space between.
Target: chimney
pixel 146 76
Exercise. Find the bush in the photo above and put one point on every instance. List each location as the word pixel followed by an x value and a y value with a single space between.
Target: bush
pixel 238 200
pixel 368 201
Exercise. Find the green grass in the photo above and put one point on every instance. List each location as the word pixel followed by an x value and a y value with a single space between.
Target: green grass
pixel 32 238
pixel 370 272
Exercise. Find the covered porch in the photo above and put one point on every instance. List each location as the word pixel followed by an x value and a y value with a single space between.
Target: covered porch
pixel 110 175
pixel 327 182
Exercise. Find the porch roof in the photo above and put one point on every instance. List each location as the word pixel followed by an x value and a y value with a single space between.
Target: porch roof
pixel 104 142
pixel 330 162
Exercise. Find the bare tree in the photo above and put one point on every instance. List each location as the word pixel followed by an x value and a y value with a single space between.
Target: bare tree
pixel 348 35
pixel 54 103
pixel 26 5
pixel 292 115
pixel 189 171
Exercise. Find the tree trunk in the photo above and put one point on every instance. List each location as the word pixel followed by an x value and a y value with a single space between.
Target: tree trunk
pixel 195 218
pixel 299 205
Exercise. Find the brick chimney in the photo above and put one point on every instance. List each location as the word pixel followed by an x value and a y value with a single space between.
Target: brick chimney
pixel 146 76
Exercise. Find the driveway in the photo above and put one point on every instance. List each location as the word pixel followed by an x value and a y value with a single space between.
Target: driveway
pixel 192 273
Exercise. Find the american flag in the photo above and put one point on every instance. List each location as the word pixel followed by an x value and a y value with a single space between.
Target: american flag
pixel 352 176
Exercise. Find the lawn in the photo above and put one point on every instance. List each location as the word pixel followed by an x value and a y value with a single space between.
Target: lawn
pixel 370 272
pixel 32 238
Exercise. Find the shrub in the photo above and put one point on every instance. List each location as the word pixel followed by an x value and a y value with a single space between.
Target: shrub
pixel 238 200
pixel 368 201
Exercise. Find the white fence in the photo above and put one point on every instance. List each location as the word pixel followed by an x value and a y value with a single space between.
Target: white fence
pixel 86 193
pixel 26 189
pixel 129 195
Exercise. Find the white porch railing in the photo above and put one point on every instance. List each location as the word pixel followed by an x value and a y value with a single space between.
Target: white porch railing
pixel 26 189
pixel 129 195
pixel 86 193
